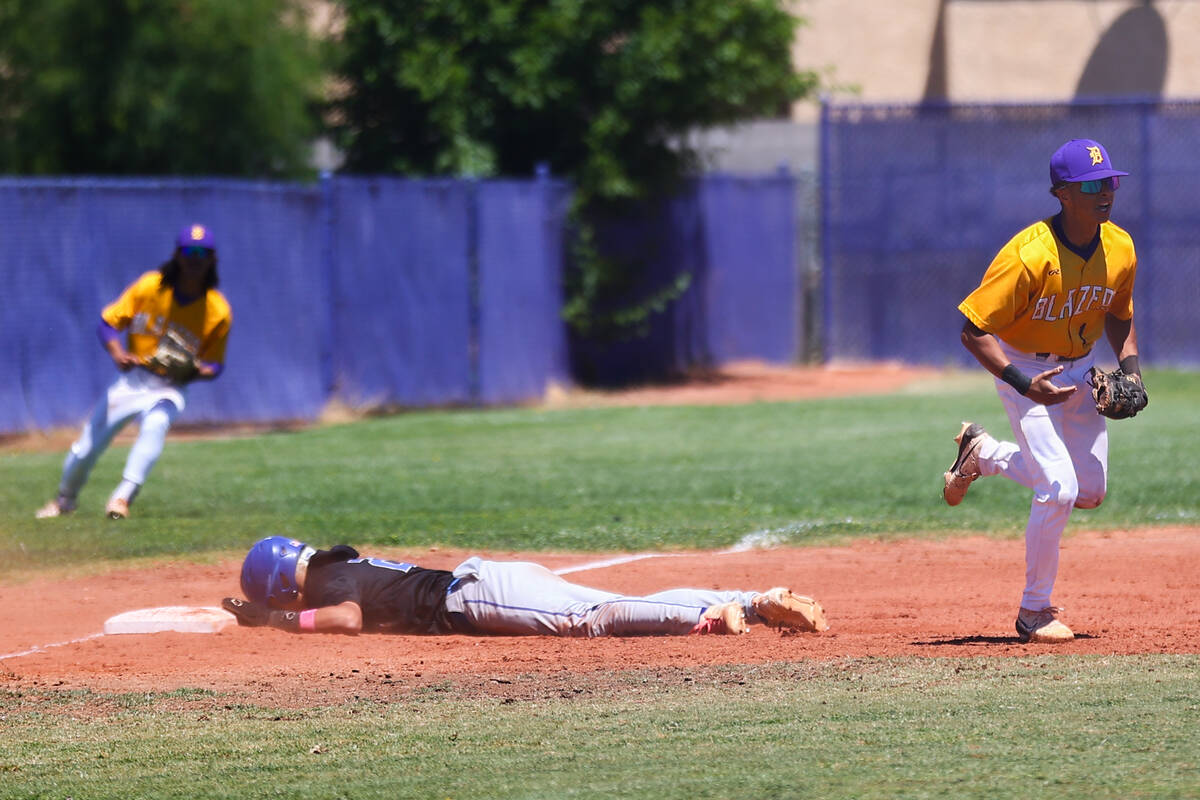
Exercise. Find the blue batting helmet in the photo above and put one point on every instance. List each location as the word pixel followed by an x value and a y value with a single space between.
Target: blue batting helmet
pixel 269 571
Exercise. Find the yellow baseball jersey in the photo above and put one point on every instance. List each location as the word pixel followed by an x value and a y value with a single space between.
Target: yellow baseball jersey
pixel 1039 296
pixel 147 310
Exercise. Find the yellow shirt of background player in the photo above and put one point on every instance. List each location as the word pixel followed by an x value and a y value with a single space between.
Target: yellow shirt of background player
pixel 1040 297
pixel 148 309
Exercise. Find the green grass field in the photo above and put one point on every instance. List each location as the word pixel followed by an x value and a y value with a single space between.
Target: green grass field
pixel 1039 727
pixel 620 479
pixel 599 479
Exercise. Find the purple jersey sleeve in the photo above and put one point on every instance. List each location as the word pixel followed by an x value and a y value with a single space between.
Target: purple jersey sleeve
pixel 107 333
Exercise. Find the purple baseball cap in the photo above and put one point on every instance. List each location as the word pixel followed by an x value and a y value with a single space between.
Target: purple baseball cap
pixel 197 235
pixel 1081 160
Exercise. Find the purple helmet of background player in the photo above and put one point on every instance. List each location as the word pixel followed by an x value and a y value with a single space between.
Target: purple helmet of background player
pixel 273 572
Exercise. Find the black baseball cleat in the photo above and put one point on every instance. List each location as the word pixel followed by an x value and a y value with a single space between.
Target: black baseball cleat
pixel 965 468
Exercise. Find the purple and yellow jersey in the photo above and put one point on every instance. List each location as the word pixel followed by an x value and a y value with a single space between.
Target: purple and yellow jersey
pixel 1039 296
pixel 147 309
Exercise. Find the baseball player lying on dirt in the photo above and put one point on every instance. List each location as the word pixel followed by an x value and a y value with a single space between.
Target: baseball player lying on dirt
pixel 295 587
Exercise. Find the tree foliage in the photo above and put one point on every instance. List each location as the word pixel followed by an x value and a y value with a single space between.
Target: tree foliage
pixel 157 87
pixel 604 92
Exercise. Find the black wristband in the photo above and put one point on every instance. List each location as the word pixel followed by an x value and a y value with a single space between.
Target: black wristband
pixel 284 620
pixel 1016 379
pixel 1129 365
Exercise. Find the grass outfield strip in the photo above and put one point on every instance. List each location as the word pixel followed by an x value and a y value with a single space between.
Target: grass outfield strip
pixel 610 479
pixel 1052 727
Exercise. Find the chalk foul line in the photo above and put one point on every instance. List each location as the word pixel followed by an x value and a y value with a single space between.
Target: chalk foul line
pixel 43 647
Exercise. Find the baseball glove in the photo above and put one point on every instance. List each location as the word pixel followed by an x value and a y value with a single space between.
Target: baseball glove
pixel 172 359
pixel 1118 395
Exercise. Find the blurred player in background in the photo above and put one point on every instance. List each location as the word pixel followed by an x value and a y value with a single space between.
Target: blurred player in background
pixel 178 302
pixel 1049 295
pixel 295 587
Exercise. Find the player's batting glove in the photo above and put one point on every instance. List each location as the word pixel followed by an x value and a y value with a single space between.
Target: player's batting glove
pixel 248 613
pixel 254 615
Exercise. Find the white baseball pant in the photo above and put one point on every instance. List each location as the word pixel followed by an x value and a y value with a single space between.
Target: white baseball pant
pixel 1061 453
pixel 153 400
pixel 519 598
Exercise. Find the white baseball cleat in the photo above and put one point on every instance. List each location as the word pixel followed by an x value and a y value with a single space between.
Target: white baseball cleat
pixel 782 608
pixel 117 509
pixel 53 509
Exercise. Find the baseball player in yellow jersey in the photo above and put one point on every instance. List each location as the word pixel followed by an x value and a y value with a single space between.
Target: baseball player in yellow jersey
pixel 177 304
pixel 1049 295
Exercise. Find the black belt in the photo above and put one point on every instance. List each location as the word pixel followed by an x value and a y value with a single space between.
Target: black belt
pixel 1059 359
pixel 458 620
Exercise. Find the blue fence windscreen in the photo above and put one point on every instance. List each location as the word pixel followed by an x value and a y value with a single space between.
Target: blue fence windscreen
pixel 520 231
pixel 361 290
pixel 401 291
pixel 752 288
pixel 735 239
pixel 378 292
pixel 270 241
pixel 658 246
pixel 71 246
pixel 917 200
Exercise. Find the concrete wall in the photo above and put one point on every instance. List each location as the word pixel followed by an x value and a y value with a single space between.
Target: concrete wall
pixel 906 51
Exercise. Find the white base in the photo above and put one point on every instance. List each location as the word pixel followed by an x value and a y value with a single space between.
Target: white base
pixel 182 619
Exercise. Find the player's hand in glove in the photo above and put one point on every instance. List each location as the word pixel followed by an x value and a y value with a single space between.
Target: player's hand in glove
pixel 172 359
pixel 1118 395
pixel 248 613
pixel 256 615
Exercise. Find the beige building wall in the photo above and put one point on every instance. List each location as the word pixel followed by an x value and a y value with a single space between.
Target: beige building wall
pixel 906 51
pixel 871 50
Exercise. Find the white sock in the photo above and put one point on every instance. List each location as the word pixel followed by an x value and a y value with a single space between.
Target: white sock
pixel 126 490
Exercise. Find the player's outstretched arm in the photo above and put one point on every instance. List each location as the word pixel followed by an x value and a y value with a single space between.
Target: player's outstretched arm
pixel 345 617
pixel 1039 388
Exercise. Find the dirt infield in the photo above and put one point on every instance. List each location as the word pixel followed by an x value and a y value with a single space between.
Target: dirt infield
pixel 1126 592
pixel 753 382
